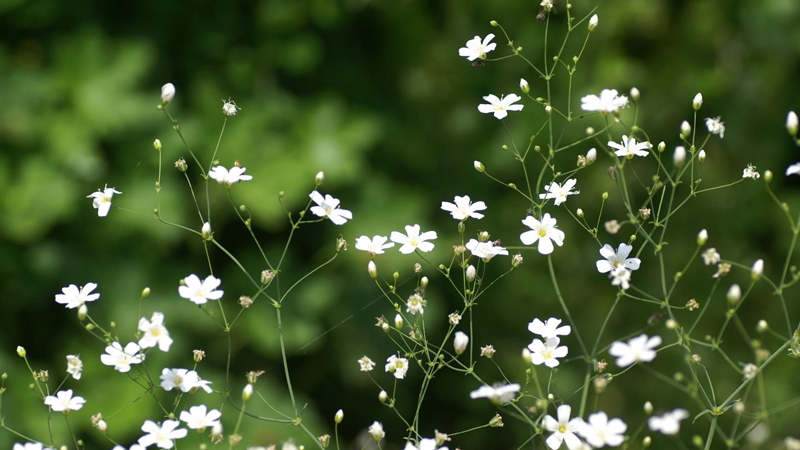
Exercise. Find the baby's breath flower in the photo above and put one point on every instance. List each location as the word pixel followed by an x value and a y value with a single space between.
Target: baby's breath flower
pixel 366 364
pixel 200 292
pixel 229 107
pixel 454 318
pixel 64 402
pixel 155 333
pixel 638 349
pixel 499 394
pixel 692 305
pixel 686 129
pixel 607 102
pixel 477 48
pixel 630 148
pixel 199 418
pixel 397 366
pixel 101 200
pixel 374 246
pixel 74 366
pixel 668 423
pixel 599 431
pixel 563 429
pixel 679 156
pixel 198 355
pixel 702 237
pixel 612 226
pixel 560 192
pixel 182 379
pixel 121 358
pixel 591 156
pixel 547 352
pixel 73 297
pixel 701 156
pixel 414 304
pixel 715 126
pixel 485 250
pixel 376 431
pixel 229 177
pixel 162 436
pixel 488 351
pixel 749 371
pixel 500 106
pixel 413 239
pixel 545 232
pixel 615 259
pixel 549 329
pixel 750 172
pixel 722 270
pixel 462 208
pixel 329 207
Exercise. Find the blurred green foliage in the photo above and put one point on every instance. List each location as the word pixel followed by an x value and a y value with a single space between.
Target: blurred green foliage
pixel 373 93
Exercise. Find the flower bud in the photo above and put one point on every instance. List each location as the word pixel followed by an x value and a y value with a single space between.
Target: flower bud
pixel 702 237
pixel 383 396
pixel 661 147
pixel 167 93
pixel 762 326
pixel 767 176
pixel 497 421
pixel 686 129
pixel 635 94
pixel 701 156
pixel 460 341
pixel 339 417
pixel 247 392
pixel 591 156
pixel 21 351
pixel 791 123
pixel 470 273
pixel 83 311
pixel 423 282
pixel 757 270
pixel 679 156
pixel 267 276
pixel 648 408
pixel 734 294
pixel 479 166
pixel 697 102
pixel 398 321
pixel 319 178
pixel 181 165
pixel 523 84
pixel 646 442
pixel 593 24
pixel 376 431
pixel 385 327
pixel 548 109
pixel 493 23
pixel 157 145
pixel 516 260
pixel 605 196
pixel 372 269
pixel 102 426
pixel 206 231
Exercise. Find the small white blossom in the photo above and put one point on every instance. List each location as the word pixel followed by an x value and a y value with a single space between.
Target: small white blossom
pixel 794 169
pixel 463 208
pixel 630 148
pixel 616 259
pixel 715 126
pixel 198 418
pixel 563 429
pixel 547 352
pixel 413 240
pixel 101 200
pixel 182 379
pixel 640 348
pixel 366 364
pixel 500 106
pixel 397 366
pixel 485 250
pixel 499 394
pixel 161 436
pixel 710 256
pixel 607 102
pixel 155 333
pixel 424 444
pixel 621 277
pixel 74 366
pixel 750 371
pixel 750 172
pixel 329 207
pixel 229 177
pixel 33 446
pixel 414 304
pixel 560 192
pixel 547 5
pixel 549 329
pixel 64 402
pixel 200 292
pixel 73 297
pixel 375 246
pixel 376 431
pixel 121 358
pixel 229 107
pixel 545 232
pixel 668 423
pixel 599 431
pixel 477 48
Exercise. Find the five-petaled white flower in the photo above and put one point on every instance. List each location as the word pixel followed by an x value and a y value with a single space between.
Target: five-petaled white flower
pixel 64 402
pixel 397 366
pixel 413 240
pixel 599 431
pixel 669 423
pixel 200 292
pixel 549 329
pixel 607 102
pixel 500 106
pixel 329 207
pixel 563 429
pixel 477 48
pixel 183 379
pixel 121 358
pixel 198 418
pixel 74 366
pixel 499 393
pixel 161 436
pixel 74 297
pixel 155 333
pixel 424 444
pixel 376 245
pixel 485 250
pixel 750 172
pixel 463 208
pixel 616 259
pixel 715 126
pixel 637 349
pixel 621 276
pixel 229 177
pixel 630 148
pixel 31 446
pixel 101 200
pixel 414 304
pixel 547 352
pixel 559 192
pixel 710 256
pixel 545 232
pixel 794 169
pixel 366 364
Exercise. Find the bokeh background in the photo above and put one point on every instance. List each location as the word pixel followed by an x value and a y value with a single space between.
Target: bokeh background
pixel 373 93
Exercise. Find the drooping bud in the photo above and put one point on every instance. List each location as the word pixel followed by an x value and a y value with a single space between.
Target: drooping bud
pixel 697 102
pixel 167 93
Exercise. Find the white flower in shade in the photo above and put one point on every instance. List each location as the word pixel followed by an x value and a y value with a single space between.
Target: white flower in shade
pixel 607 102
pixel 229 177
pixel 74 366
pixel 621 277
pixel 101 200
pixel 424 444
pixel 229 107
pixel 414 304
pixel 563 429
pixel 749 371
pixel 64 402
pixel 668 423
pixel 376 431
pixel 155 333
pixel 477 48
pixel 559 192
pixel 630 148
pixel 397 366
pixel 640 348
pixel 376 245
pixel 183 379
pixel 33 446
pixel 545 232
pixel 715 126
pixel 463 208
pixel 200 292
pixel 547 5
pixel 549 329
pixel 161 436
pixel 599 431
pixel 616 259
pixel 167 93
pixel 413 240
pixel 485 250
pixel 366 364
pixel 547 352
pixel 329 207
pixel 199 418
pixel 73 297
pixel 710 256
pixel 750 172
pixel 499 393
pixel 794 169
pixel 121 358
pixel 500 106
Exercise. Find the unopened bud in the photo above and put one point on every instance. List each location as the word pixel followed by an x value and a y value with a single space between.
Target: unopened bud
pixel 83 311
pixel 579 212
pixel 470 273
pixel 319 178
pixel 398 321
pixel 339 417
pixel 605 196
pixel 460 341
pixel 672 324
pixel 697 102
pixel 493 23
pixel 702 237
pixel 21 351
pixel 206 231
pixel 497 421
pixel 757 270
pixel 167 93
pixel 762 326
pixel 662 146
pixel 734 294
pixel 686 129
pixel 679 156
pixel 372 269
pixel 523 84
pixel 548 109
pixel 516 260
pixel 646 442
pixel 157 145
pixel 247 392
pixel 383 396
pixel 483 236
pixel 648 408
pixel 591 156
pixel 479 166
pixel 701 156
pixel 767 176
pixel 267 276
pixel 635 94
pixel 592 25
pixel 791 123
pixel 423 282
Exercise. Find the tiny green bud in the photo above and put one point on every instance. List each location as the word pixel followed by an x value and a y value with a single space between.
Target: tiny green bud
pixel 589 131
pixel 497 421
pixel 697 441
pixel 605 195
pixel 635 94
pixel 339 416
pixel 662 146
pixel 21 351
pixel 247 392
pixel 767 176
pixel 493 23
pixel 157 145
pixel 646 442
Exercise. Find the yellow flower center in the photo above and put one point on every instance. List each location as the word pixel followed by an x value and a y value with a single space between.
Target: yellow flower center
pixel 562 429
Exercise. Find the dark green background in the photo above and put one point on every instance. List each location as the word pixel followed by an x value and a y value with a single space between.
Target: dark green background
pixel 374 94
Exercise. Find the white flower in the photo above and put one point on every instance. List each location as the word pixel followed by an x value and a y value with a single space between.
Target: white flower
pixel 715 126
pixel 668 423
pixel 229 107
pixel 413 240
pixel 414 304
pixel 376 431
pixel 560 192
pixel 477 49
pixel 749 371
pixel 74 366
pixel 750 172
pixel 155 333
pixel 549 329
pixel 32 446
pixel 376 245
pixel 329 207
pixel 229 177
pixel 366 364
pixel 161 436
pixel 397 366
pixel 101 200
pixel 637 349
pixel 73 297
pixel 500 106
pixel 122 359
pixel 183 380
pixel 629 147
pixel 607 102
pixel 499 394
pixel 64 402
pixel 617 259
pixel 621 277
pixel 710 256
pixel 197 418
pixel 200 292
pixel 547 352
pixel 545 232
pixel 563 429
pixel 167 93
pixel 547 5
pixel 463 208
pixel 460 341
pixel 599 431
pixel 424 444
pixel 794 169
pixel 485 250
